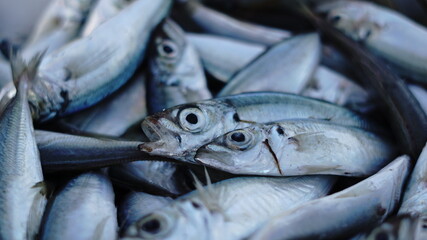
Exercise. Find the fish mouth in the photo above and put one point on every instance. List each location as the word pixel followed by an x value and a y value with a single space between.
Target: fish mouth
pixel 150 130
pixel 215 156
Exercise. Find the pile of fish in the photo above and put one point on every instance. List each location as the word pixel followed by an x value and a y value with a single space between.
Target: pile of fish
pixel 186 119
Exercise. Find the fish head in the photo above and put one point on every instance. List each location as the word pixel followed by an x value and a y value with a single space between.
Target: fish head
pixel 184 219
pixel 354 19
pixel 177 132
pixel 242 151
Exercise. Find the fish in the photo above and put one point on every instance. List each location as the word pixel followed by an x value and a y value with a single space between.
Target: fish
pixel 179 131
pixel 344 213
pixel 229 209
pixel 59 24
pixel 7 88
pixel 381 30
pixel 23 194
pixel 138 204
pixel 83 209
pixel 399 228
pixel 87 70
pixel 414 200
pixel 229 57
pixel 176 74
pixel 102 11
pixel 285 67
pixel 214 22
pixel 297 147
pixel 420 94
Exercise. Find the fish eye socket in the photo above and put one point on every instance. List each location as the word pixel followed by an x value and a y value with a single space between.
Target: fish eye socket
pixel 192 119
pixel 167 49
pixel 153 225
pixel 335 19
pixel 240 140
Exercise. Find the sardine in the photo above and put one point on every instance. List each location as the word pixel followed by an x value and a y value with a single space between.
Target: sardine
pixel 230 209
pixel 176 73
pixel 87 70
pixel 103 11
pixel 344 213
pixel 286 67
pixel 217 23
pixel 230 55
pixel 297 147
pixel 138 204
pixel 415 197
pixel 23 191
pixel 59 24
pixel 84 209
pixel 179 131
pixel 387 33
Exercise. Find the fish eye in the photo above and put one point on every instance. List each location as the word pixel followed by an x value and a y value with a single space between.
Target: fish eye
pixel 334 19
pixel 167 49
pixel 240 139
pixel 153 226
pixel 192 119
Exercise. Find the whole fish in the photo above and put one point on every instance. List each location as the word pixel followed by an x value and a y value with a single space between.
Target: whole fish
pixel 87 70
pixel 344 213
pixel 399 228
pixel 230 209
pixel 297 147
pixel 23 192
pixel 382 30
pixel 59 24
pixel 217 23
pixel 176 74
pixel 415 197
pixel 103 11
pixel 230 55
pixel 179 131
pixel 286 67
pixel 138 204
pixel 83 209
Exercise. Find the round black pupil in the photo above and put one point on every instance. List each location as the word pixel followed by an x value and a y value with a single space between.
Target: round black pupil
pixel 192 118
pixel 167 49
pixel 238 137
pixel 152 226
pixel 335 19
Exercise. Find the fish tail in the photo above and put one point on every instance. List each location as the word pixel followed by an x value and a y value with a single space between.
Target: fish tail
pixel 23 71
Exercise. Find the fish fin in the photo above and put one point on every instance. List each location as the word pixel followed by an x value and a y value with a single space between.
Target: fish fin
pixel 208 196
pixel 99 229
pixel 36 212
pixel 24 70
pixel 46 189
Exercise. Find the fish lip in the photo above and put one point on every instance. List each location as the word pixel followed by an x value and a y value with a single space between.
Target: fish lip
pixel 207 156
pixel 150 130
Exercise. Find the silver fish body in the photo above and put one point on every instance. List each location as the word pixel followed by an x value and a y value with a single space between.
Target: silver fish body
pixel 297 147
pixel 84 209
pixel 138 204
pixel 415 197
pixel 230 55
pixel 286 67
pixel 176 73
pixel 22 198
pixel 344 213
pixel 387 33
pixel 229 209
pixel 420 94
pixel 217 23
pixel 87 70
pixel 58 25
pixel 103 11
pixel 179 131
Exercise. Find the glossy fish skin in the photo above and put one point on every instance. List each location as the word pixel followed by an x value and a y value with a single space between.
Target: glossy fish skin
pixel 179 131
pixel 415 197
pixel 7 88
pixel 400 228
pixel 382 31
pixel 297 147
pixel 286 67
pixel 109 117
pixel 83 209
pixel 58 25
pixel 22 198
pixel 103 11
pixel 85 71
pixel 420 94
pixel 222 210
pixel 138 204
pixel 345 213
pixel 230 55
pixel 217 23
pixel 176 74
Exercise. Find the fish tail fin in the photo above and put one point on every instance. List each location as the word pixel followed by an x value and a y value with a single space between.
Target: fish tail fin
pixel 23 71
